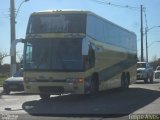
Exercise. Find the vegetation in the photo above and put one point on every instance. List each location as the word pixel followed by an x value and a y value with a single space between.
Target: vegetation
pixel 3 54
pixel 2 78
pixel 4 72
pixel 155 63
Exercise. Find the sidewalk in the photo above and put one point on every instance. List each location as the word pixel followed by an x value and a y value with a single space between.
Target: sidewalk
pixel 152 108
pixel 1 90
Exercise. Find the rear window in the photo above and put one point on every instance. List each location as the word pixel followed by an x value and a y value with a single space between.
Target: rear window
pixel 18 74
pixel 158 68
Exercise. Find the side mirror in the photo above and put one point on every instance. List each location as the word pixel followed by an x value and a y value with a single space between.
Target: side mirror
pixel 13 46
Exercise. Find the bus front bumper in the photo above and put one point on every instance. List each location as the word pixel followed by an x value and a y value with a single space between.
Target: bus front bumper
pixel 54 89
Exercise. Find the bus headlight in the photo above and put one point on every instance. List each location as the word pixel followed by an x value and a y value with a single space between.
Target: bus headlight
pixel 81 80
pixel 75 80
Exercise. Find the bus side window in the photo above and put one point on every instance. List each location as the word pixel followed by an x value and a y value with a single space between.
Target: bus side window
pixel 89 59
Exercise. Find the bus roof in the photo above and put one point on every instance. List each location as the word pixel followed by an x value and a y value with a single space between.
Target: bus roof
pixel 58 11
pixel 69 11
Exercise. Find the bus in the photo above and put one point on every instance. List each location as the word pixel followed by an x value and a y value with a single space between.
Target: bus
pixel 77 52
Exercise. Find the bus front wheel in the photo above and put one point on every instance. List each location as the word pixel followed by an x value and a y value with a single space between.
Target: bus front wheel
pixel 45 96
pixel 94 85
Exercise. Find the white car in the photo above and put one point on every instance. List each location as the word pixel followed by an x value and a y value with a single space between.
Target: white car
pixel 158 68
pixel 144 72
pixel 14 83
pixel 157 73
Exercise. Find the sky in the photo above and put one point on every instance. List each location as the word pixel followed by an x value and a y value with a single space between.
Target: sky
pixel 122 16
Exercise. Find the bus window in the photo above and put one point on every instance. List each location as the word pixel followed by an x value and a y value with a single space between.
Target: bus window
pixel 59 23
pixel 91 56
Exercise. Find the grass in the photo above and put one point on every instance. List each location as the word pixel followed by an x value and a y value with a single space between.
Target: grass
pixel 2 78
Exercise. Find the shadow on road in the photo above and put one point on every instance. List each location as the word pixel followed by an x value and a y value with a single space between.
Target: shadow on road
pixel 113 103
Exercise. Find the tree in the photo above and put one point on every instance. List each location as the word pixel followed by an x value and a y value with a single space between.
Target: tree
pixel 155 62
pixel 3 54
pixel 154 58
pixel 19 61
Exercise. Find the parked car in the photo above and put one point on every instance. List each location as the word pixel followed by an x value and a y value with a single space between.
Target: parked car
pixel 144 72
pixel 157 73
pixel 158 68
pixel 14 83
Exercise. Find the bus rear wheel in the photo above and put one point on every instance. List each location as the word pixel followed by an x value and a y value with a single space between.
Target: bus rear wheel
pixel 44 96
pixel 125 81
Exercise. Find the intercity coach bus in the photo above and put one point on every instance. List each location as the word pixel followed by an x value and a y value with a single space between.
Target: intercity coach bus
pixel 77 52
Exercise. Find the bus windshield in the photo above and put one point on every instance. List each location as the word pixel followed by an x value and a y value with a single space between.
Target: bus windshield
pixel 57 23
pixel 54 54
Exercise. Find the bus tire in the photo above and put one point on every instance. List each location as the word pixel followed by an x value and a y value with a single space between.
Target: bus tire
pixel 94 85
pixel 44 96
pixel 127 80
pixel 123 81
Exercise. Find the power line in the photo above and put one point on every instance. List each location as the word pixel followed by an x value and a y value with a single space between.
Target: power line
pixel 142 9
pixel 104 2
pixel 4 14
pixel 4 11
pixel 4 17
pixel 115 5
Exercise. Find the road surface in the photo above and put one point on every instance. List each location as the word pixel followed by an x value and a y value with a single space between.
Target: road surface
pixel 113 104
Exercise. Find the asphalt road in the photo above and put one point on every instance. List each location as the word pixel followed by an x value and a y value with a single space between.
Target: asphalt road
pixel 113 104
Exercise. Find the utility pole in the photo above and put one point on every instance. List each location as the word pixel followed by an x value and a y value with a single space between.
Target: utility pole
pixel 142 59
pixel 146 30
pixel 13 35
